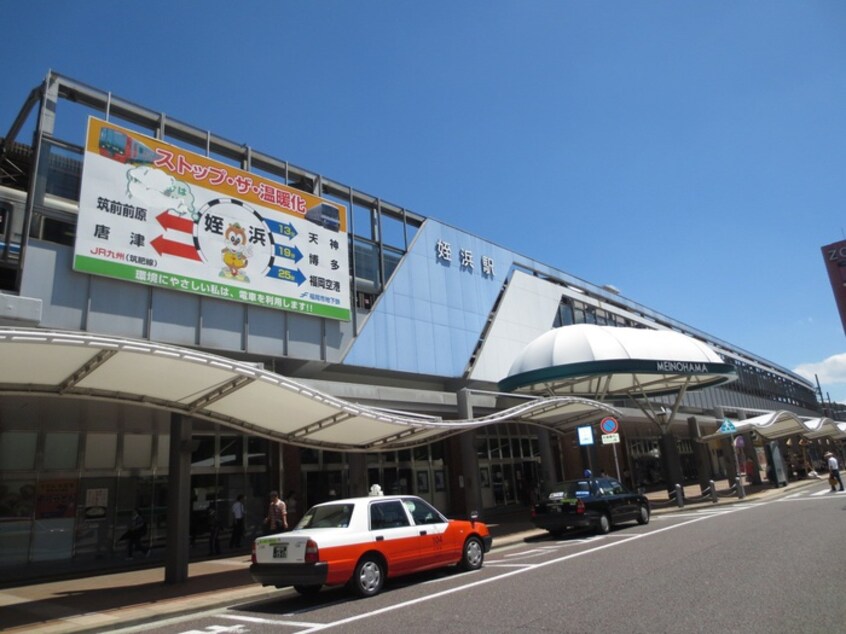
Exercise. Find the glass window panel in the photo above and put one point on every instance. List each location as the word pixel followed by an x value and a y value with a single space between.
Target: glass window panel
pixel 366 262
pixel 17 507
pixel 392 231
pixel 437 450
pixel 137 450
pixel 362 222
pixel 202 451
pixel 17 450
pixel 392 260
pixel 578 315
pixel 100 451
pixel 163 459
pixel 61 450
pixel 515 447
pixel 231 451
pixel 257 451
pixel 332 457
pixel 64 172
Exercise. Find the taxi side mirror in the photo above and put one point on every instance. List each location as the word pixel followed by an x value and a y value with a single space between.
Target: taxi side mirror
pixel 474 517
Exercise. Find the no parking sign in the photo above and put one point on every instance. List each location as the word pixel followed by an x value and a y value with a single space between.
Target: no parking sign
pixel 609 425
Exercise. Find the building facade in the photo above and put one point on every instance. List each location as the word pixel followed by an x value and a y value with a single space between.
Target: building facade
pixel 119 221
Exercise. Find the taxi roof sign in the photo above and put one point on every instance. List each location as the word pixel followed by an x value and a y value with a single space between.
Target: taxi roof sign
pixel 727 427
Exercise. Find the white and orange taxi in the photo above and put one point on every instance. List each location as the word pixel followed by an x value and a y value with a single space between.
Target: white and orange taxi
pixel 363 541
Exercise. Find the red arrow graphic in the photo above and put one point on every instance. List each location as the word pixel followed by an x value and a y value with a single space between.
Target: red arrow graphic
pixel 162 245
pixel 177 223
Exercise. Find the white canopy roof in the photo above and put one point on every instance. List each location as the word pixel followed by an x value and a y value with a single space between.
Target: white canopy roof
pixel 206 386
pixel 603 361
pixel 782 424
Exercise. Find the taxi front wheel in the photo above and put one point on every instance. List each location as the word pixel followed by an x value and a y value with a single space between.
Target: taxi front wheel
pixel 473 554
pixel 369 576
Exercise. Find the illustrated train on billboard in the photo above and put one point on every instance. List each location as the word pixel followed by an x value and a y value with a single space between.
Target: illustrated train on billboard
pixel 324 215
pixel 120 147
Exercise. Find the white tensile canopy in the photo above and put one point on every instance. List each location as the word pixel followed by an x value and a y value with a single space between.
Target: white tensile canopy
pixel 40 362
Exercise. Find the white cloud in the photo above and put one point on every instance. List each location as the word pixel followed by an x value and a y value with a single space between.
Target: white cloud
pixel 831 373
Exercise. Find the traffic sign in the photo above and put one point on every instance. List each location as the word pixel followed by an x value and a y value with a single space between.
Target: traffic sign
pixel 585 435
pixel 727 427
pixel 610 439
pixel 609 425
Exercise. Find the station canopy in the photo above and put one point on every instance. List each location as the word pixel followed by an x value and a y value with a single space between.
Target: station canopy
pixel 39 362
pixel 609 362
pixel 783 424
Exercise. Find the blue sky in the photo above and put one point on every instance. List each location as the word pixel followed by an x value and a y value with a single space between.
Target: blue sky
pixel 692 154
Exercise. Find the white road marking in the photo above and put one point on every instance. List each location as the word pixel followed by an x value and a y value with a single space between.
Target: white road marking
pixel 521 570
pixel 255 619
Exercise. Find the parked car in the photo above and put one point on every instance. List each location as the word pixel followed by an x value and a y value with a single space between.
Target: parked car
pixel 362 542
pixel 598 503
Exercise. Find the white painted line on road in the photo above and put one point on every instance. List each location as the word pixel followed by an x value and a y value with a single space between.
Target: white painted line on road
pixel 497 565
pixel 828 493
pixel 255 619
pixel 521 570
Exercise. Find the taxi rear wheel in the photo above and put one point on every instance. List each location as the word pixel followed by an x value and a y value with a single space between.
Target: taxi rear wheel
pixel 369 576
pixel 473 554
pixel 603 524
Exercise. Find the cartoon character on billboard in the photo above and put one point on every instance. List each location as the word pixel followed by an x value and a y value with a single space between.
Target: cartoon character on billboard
pixel 236 253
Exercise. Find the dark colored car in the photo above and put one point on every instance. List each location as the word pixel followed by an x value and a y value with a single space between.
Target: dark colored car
pixel 597 503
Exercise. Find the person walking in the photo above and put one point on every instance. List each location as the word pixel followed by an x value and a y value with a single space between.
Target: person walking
pixel 833 471
pixel 136 532
pixel 277 515
pixel 238 514
pixel 214 529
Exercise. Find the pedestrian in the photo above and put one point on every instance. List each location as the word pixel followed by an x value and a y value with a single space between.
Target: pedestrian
pixel 214 529
pixel 238 513
pixel 135 534
pixel 277 515
pixel 292 507
pixel 833 471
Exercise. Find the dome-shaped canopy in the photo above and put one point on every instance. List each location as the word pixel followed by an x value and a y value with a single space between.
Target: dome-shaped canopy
pixel 605 361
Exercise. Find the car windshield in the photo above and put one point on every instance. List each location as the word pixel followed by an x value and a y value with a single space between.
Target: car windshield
pixel 571 489
pixel 327 516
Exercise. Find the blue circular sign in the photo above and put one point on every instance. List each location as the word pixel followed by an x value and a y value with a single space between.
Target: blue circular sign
pixel 609 425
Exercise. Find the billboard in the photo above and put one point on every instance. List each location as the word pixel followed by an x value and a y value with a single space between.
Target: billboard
pixel 156 214
pixel 835 263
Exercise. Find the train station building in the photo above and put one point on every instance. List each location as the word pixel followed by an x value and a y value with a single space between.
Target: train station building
pixel 186 319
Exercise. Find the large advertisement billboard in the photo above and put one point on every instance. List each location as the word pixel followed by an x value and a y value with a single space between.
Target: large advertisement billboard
pixel 835 263
pixel 156 214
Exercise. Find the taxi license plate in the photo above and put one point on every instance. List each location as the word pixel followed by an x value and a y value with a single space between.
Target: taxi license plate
pixel 280 551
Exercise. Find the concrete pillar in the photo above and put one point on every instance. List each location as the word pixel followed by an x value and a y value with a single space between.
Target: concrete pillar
pixel 178 500
pixel 469 458
pixel 547 458
pixel 671 461
pixel 357 474
pixel 700 455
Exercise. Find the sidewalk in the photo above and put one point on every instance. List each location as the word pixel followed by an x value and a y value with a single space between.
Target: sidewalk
pixel 110 601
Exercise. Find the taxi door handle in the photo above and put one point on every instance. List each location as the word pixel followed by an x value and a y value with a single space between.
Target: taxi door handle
pixel 380 538
pixel 423 532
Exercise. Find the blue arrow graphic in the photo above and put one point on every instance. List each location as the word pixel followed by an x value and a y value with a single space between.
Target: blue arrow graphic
pixel 287 275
